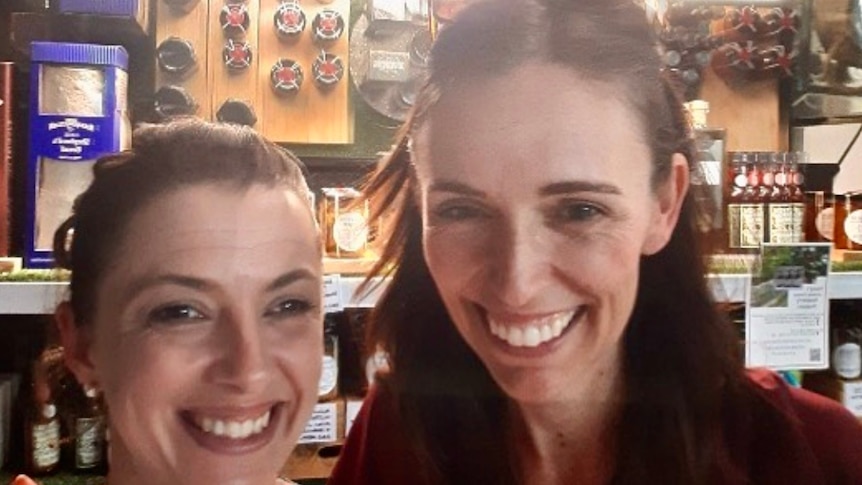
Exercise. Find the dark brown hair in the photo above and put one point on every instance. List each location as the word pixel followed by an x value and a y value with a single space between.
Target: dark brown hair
pixel 164 157
pixel 680 356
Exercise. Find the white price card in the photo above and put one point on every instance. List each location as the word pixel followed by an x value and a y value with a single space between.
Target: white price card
pixel 851 396
pixel 351 410
pixel 787 308
pixel 332 301
pixel 322 427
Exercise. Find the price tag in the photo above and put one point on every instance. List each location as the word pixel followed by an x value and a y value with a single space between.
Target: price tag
pixel 323 425
pixel 332 301
pixel 350 413
pixel 851 395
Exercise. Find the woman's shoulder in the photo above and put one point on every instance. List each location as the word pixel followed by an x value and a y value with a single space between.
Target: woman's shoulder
pixel 831 433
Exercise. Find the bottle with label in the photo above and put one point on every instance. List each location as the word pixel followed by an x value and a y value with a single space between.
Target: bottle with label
pixel 706 176
pixel 796 187
pixel 847 351
pixel 843 206
pixel 819 216
pixel 89 433
pixel 780 209
pixel 750 207
pixel 328 388
pixel 344 222
pixel 42 429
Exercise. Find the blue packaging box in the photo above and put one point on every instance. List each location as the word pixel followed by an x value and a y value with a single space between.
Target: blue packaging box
pixel 137 10
pixel 78 112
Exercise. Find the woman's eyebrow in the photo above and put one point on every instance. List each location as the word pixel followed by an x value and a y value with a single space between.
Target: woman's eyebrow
pixel 455 187
pixel 575 186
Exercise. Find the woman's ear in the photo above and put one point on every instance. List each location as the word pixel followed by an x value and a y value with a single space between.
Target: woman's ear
pixel 669 196
pixel 76 343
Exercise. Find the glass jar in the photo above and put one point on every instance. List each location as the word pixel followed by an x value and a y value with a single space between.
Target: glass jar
pixel 344 222
pixel 819 216
pixel 853 221
pixel 328 386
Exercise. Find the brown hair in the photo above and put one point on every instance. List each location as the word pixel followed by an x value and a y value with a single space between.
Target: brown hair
pixel 164 157
pixel 680 356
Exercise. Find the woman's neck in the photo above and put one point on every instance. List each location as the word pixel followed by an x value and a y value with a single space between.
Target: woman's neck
pixel 569 441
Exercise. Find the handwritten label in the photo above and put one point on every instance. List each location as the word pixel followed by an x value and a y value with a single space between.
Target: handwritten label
pixel 852 397
pixel 332 302
pixel 352 409
pixel 323 425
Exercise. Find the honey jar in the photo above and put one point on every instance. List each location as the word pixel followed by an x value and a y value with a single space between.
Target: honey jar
pixel 344 223
pixel 853 221
pixel 819 216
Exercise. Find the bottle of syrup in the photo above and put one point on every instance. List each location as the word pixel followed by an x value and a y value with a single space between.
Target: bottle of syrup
pixel 42 428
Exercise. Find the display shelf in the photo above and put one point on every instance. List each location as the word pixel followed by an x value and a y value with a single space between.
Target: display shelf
pixel 41 297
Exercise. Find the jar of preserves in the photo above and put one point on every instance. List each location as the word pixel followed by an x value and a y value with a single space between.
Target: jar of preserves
pixel 853 221
pixel 344 222
pixel 819 216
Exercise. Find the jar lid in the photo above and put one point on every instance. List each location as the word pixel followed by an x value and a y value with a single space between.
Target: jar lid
pixel 328 25
pixel 289 20
pixel 176 55
pixel 328 69
pixel 174 101
pixel 236 111
pixel 234 19
pixel 286 76
pixel 237 55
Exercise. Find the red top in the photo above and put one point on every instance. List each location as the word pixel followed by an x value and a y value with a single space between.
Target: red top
pixel 823 446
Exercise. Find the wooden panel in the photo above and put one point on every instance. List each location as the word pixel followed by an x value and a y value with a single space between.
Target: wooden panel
pixel 750 113
pixel 223 82
pixel 312 115
pixel 191 26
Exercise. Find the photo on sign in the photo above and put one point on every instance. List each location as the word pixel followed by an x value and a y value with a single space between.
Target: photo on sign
pixel 785 269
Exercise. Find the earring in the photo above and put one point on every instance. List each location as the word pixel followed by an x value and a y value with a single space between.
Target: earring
pixel 91 390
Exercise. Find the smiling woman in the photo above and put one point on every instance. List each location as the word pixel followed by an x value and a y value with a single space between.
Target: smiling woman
pixel 548 320
pixel 196 304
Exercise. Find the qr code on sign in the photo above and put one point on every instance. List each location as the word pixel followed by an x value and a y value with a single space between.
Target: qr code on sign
pixel 814 355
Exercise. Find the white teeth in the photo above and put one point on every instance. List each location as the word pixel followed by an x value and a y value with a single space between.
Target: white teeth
pixel 233 429
pixel 533 334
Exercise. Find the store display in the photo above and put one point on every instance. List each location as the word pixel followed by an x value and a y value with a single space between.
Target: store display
pixel 174 101
pixel 77 114
pixel 176 56
pixel 289 20
pixel 6 139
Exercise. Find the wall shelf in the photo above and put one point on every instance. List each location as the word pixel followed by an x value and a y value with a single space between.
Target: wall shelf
pixel 42 297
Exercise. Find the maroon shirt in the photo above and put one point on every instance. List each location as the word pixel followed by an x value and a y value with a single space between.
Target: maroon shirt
pixel 822 445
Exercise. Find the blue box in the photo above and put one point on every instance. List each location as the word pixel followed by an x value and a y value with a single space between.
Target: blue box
pixel 78 112
pixel 138 10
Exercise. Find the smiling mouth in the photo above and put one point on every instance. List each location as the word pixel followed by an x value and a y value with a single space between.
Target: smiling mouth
pixel 239 433
pixel 236 430
pixel 535 332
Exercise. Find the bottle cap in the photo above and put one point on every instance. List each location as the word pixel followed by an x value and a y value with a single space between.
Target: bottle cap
pixel 328 25
pixel 286 76
pixel 173 101
pixel 698 109
pixel 328 69
pixel 236 111
pixel 237 55
pixel 176 56
pixel 289 20
pixel 234 19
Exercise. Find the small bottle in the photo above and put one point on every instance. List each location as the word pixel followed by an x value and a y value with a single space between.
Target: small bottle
pixel 853 221
pixel 780 208
pixel 796 187
pixel 89 433
pixel 42 429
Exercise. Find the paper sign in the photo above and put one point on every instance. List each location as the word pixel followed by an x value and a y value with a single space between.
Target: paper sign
pixel 851 396
pixel 787 316
pixel 323 425
pixel 332 301
pixel 352 409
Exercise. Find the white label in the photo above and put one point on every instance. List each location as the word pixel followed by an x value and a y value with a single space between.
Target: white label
pixel 745 223
pixel 853 226
pixel 332 293
pixel 328 376
pixel 825 223
pixel 780 223
pixel 89 433
pixel 740 180
pixel 851 396
pixel 847 360
pixel 350 412
pixel 322 427
pixel 350 232
pixel 46 444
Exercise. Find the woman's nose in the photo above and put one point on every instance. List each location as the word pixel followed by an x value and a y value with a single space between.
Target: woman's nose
pixel 242 354
pixel 519 265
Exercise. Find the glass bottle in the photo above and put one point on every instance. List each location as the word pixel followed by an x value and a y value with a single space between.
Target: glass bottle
pixel 752 210
pixel 328 387
pixel 780 208
pixel 796 188
pixel 89 433
pixel 42 428
pixel 706 176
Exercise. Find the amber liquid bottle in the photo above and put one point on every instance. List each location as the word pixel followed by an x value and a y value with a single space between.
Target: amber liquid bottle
pixel 89 433
pixel 706 178
pixel 42 429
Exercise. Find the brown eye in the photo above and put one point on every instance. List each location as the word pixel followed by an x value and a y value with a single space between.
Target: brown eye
pixel 289 307
pixel 578 212
pixel 175 313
